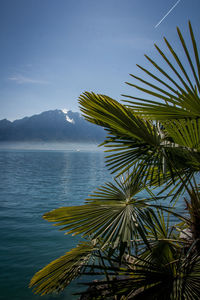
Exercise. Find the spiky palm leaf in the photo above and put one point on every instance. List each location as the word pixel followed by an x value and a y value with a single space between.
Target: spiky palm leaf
pixel 113 215
pixel 59 273
pixel 161 227
pixel 138 145
pixel 150 273
pixel 178 99
pixel 136 141
pixel 167 275
pixel 171 278
pixel 178 107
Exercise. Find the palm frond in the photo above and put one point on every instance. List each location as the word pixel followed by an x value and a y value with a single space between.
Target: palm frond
pixel 178 99
pixel 137 146
pixel 132 141
pixel 184 133
pixel 112 213
pixel 59 273
pixel 117 119
pixel 175 277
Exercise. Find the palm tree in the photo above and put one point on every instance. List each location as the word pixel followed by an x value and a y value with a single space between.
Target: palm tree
pixel 152 142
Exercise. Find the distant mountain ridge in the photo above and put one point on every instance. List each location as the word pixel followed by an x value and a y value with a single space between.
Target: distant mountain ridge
pixel 52 125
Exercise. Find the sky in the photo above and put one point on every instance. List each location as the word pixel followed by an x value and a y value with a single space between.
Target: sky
pixel 52 51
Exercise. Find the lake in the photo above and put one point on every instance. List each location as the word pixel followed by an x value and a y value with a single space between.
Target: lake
pixel 34 179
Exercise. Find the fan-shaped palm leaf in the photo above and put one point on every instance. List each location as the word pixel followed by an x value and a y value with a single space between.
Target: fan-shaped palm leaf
pixel 175 276
pixel 113 214
pixel 184 132
pixel 59 273
pixel 139 143
pixel 117 119
pixel 178 99
pixel 152 268
pixel 135 141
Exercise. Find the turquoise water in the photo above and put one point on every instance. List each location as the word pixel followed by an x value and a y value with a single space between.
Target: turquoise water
pixel 33 182
pixel 34 179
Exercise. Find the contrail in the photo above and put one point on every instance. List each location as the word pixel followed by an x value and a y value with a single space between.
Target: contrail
pixel 167 13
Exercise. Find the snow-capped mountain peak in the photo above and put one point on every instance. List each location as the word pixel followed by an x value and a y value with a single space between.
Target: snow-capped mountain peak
pixel 52 125
pixel 68 119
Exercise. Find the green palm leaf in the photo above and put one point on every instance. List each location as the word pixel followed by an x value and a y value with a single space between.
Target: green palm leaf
pixel 161 227
pixel 117 119
pixel 113 215
pixel 184 133
pixel 132 140
pixel 137 145
pixel 59 273
pixel 174 276
pixel 178 99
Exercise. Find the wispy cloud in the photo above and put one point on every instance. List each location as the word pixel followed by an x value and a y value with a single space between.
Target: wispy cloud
pixel 167 13
pixel 20 79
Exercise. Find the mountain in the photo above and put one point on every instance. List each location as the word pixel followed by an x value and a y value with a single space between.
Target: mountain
pixel 52 125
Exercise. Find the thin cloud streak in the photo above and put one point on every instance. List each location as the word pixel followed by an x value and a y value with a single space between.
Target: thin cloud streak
pixel 20 79
pixel 167 13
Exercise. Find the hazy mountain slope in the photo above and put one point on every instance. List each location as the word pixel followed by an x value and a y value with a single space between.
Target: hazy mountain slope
pixel 53 125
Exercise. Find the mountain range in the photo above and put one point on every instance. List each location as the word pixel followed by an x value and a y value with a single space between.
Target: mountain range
pixel 52 125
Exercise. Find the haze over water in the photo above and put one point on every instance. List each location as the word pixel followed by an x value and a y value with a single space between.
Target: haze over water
pixel 51 146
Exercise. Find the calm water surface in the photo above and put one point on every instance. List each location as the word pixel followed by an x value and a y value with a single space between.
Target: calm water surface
pixel 33 182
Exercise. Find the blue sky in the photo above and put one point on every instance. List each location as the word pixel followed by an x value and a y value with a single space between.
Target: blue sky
pixel 54 50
